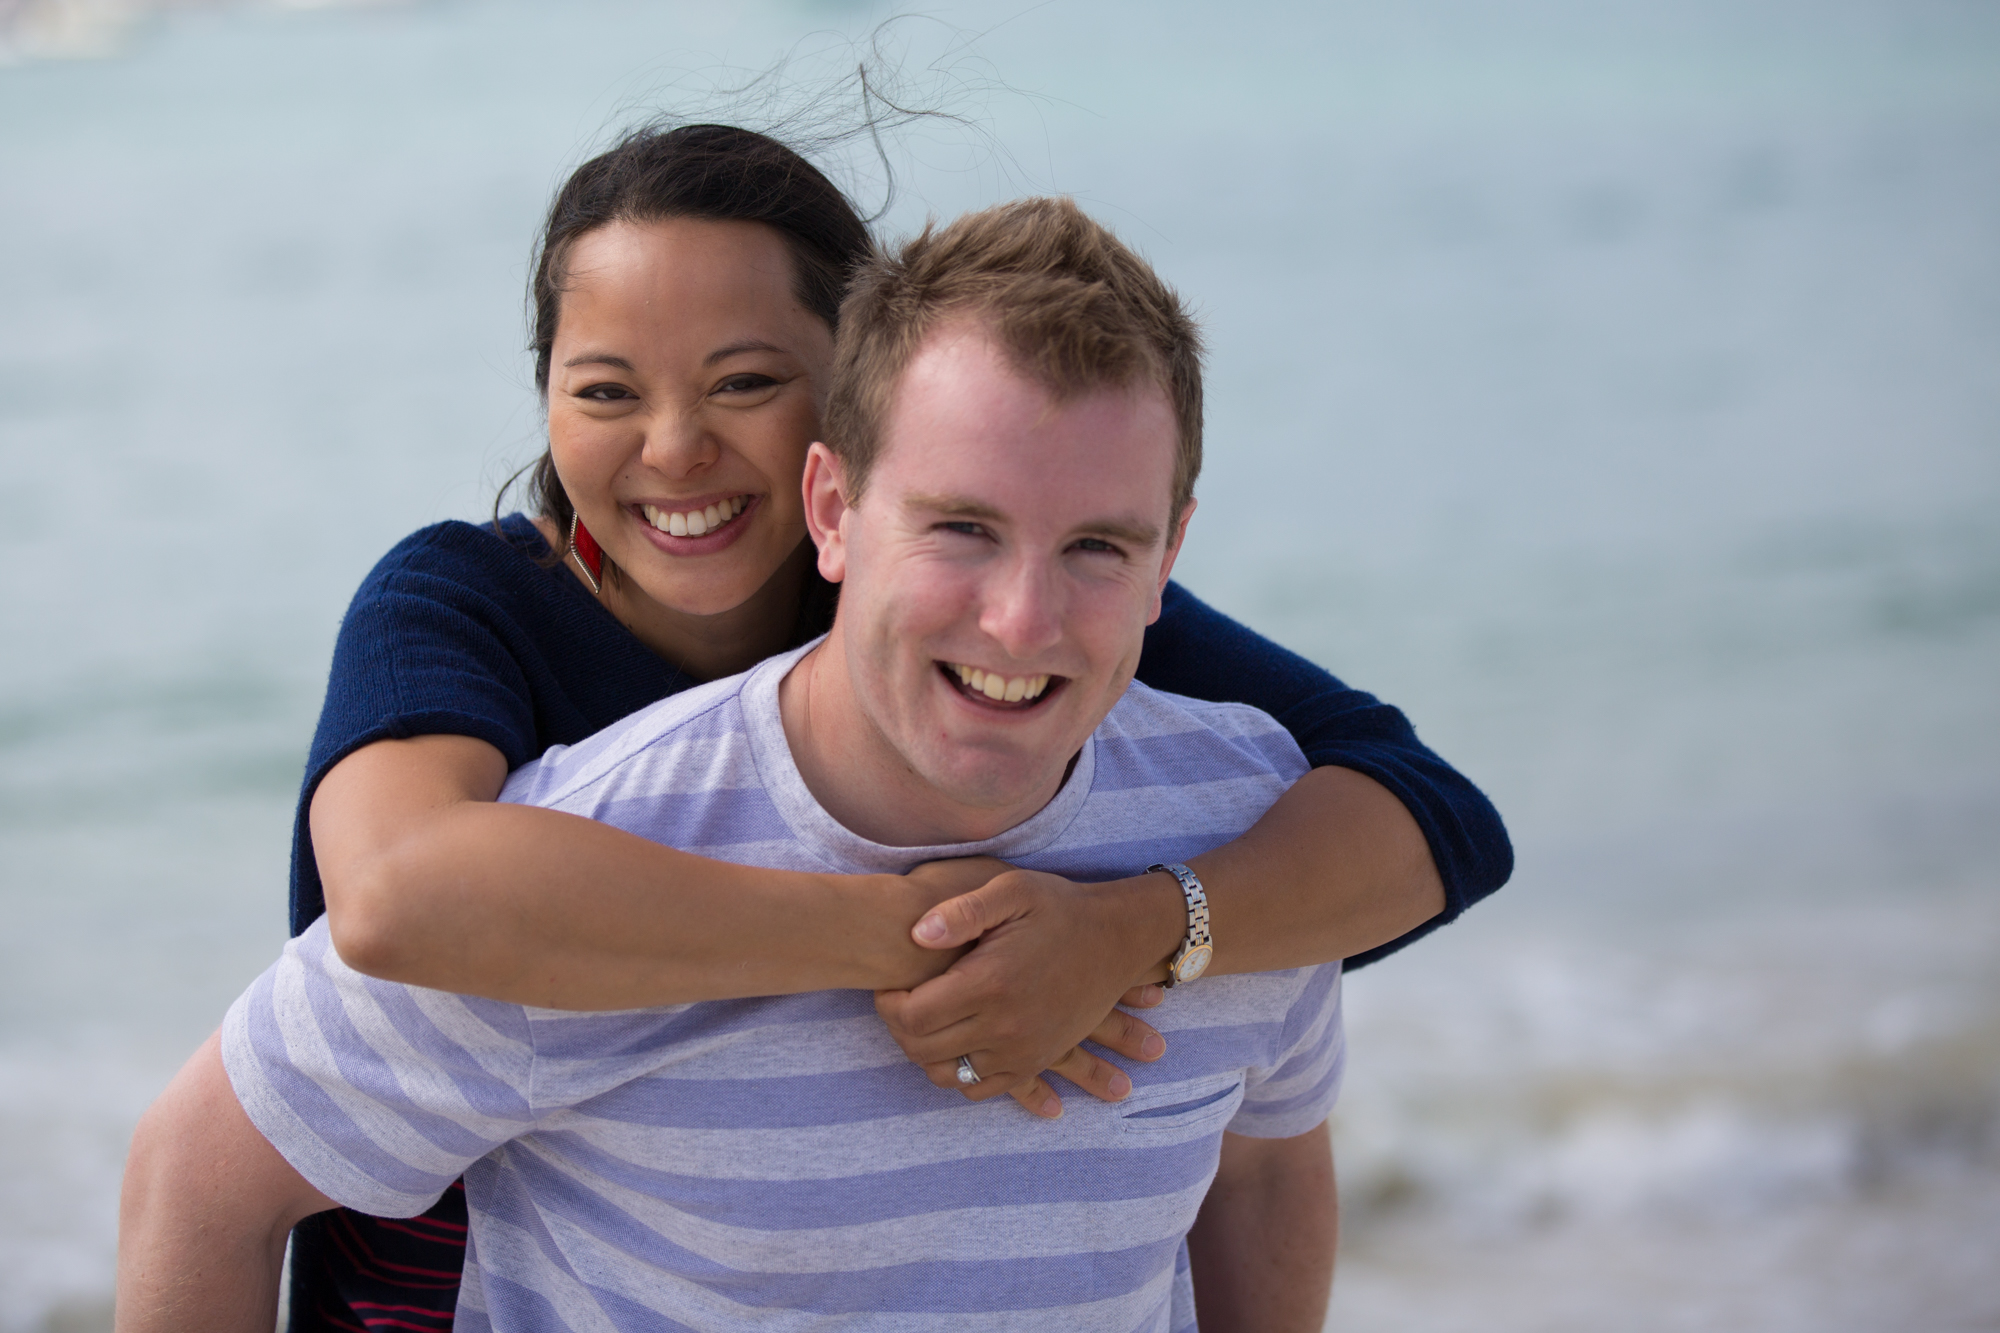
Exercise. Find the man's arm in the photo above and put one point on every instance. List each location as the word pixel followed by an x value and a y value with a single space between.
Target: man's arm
pixel 1262 1246
pixel 206 1207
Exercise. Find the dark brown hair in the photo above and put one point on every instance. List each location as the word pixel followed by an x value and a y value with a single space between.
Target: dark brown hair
pixel 717 172
pixel 1074 309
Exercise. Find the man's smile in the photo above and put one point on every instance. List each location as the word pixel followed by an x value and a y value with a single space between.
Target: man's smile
pixel 990 688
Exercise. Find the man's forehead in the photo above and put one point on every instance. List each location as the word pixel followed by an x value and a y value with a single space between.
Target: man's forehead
pixel 970 433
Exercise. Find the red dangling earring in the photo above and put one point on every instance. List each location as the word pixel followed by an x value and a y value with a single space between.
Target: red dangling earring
pixel 589 556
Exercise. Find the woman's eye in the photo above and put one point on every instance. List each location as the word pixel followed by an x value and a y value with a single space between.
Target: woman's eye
pixel 746 384
pixel 605 393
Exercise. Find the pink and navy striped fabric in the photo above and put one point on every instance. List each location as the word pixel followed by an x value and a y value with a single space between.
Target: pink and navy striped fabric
pixel 776 1163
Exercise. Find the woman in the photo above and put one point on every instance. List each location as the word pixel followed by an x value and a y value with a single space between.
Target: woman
pixel 685 297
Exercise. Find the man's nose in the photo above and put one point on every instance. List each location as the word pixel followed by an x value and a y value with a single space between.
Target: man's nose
pixel 1024 608
pixel 679 444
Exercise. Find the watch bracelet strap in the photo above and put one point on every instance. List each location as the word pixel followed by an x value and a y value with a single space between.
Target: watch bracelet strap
pixel 1197 907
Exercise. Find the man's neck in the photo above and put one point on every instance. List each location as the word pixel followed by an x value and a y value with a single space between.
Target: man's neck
pixel 858 777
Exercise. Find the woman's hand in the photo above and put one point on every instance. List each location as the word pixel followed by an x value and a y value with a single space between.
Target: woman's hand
pixel 1050 961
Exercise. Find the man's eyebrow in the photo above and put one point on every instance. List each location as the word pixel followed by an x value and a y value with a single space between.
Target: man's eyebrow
pixel 1132 532
pixel 956 505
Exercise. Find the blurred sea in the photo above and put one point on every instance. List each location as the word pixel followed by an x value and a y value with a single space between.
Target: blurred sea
pixel 1614 385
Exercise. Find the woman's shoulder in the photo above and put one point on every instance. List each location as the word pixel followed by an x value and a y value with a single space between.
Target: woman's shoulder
pixel 502 548
pixel 448 576
pixel 504 560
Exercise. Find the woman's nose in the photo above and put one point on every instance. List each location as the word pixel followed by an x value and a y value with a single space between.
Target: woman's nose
pixel 679 445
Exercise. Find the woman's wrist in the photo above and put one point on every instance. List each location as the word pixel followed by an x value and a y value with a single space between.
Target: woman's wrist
pixel 880 911
pixel 1152 913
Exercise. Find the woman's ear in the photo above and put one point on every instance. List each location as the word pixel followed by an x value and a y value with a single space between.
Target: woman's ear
pixel 826 510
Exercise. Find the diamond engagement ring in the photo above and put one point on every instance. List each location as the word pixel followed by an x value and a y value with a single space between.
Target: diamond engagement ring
pixel 966 1075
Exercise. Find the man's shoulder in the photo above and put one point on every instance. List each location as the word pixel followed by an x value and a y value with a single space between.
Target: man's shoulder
pixel 1174 739
pixel 651 747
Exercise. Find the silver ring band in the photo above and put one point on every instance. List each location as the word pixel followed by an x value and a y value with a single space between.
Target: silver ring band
pixel 967 1076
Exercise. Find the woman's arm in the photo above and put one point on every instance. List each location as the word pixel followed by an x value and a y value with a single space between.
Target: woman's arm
pixel 429 881
pixel 1195 650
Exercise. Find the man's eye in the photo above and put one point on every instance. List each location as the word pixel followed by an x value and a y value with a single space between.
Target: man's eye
pixel 965 528
pixel 1096 544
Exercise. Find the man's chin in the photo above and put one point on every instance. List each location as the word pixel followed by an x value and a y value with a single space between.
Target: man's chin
pixel 987 785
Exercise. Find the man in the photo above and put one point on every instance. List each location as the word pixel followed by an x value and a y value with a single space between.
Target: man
pixel 1014 424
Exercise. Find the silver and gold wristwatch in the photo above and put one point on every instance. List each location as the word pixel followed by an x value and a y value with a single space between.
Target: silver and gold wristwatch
pixel 1197 949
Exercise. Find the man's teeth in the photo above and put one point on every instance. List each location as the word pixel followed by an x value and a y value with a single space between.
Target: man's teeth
pixel 694 522
pixel 999 688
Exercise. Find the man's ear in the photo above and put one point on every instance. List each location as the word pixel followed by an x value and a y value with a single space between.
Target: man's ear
pixel 1174 540
pixel 826 507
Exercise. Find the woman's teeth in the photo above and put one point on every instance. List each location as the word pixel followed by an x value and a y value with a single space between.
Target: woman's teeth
pixel 695 522
pixel 999 688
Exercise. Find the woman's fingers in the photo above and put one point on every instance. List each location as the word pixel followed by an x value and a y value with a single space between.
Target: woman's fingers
pixel 1143 997
pixel 1098 1077
pixel 958 920
pixel 1038 1098
pixel 1131 1037
pixel 949 883
pixel 928 1048
pixel 944 1073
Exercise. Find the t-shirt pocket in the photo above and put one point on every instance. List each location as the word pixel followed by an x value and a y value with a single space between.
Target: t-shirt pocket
pixel 1196 1106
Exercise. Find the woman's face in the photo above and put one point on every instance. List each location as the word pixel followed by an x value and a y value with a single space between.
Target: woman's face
pixel 684 386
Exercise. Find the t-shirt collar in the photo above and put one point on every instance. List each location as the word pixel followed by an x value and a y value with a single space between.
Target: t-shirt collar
pixel 841 847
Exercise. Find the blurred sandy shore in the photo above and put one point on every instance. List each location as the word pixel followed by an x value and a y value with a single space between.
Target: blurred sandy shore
pixel 1894 1259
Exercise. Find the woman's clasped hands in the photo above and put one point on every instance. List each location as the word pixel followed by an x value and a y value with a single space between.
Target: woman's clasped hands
pixel 1043 965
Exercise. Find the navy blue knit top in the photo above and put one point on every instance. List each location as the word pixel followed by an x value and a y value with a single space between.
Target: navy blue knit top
pixel 462 630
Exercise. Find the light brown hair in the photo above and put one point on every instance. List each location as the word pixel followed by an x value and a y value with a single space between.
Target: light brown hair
pixel 1072 308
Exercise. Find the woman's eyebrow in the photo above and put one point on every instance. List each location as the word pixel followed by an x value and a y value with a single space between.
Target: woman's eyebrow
pixel 599 359
pixel 735 349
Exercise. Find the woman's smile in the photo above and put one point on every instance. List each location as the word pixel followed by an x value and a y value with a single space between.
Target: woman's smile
pixel 694 518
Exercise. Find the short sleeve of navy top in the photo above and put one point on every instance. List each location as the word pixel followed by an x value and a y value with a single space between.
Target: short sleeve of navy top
pixel 462 630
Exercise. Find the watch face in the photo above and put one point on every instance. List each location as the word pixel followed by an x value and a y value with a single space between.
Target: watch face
pixel 1193 963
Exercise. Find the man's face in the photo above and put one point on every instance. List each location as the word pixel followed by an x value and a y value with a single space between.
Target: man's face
pixel 1001 568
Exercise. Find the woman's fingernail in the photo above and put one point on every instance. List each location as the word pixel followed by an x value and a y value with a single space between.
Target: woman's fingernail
pixel 1153 1047
pixel 931 929
pixel 1120 1086
pixel 1154 994
pixel 1052 1108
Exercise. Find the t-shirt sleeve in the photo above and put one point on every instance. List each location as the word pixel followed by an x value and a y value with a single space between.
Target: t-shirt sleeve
pixel 1195 650
pixel 379 1094
pixel 1299 1089
pixel 423 650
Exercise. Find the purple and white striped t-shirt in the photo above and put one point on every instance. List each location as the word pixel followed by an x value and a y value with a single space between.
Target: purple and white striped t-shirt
pixel 776 1164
